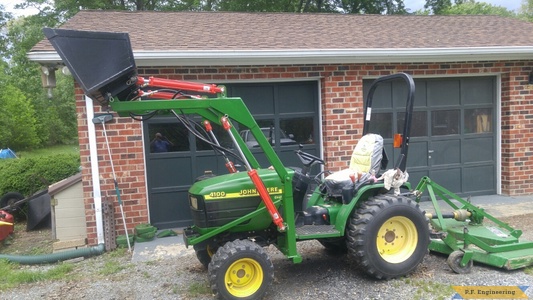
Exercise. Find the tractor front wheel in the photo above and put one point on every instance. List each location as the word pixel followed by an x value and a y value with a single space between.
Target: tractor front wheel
pixel 240 270
pixel 388 236
pixel 204 253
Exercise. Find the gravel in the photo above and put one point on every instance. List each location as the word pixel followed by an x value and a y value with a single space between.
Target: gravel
pixel 321 275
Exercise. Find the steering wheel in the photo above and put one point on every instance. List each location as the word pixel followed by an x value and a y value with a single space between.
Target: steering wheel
pixel 308 160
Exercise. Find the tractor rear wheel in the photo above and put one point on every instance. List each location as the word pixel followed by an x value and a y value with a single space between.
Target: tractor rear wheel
pixel 388 236
pixel 240 270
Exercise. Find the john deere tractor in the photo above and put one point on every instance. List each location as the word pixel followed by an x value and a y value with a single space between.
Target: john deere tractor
pixel 360 209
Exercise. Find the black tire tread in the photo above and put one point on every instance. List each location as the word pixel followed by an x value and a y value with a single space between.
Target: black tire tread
pixel 357 232
pixel 231 249
pixel 454 260
pixel 202 255
pixel 4 201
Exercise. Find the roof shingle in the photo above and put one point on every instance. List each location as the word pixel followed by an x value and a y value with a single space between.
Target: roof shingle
pixel 185 31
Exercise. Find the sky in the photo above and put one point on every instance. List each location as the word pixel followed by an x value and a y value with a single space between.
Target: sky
pixel 413 5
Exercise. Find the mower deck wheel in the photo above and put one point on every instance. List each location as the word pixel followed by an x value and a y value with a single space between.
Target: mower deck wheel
pixel 454 262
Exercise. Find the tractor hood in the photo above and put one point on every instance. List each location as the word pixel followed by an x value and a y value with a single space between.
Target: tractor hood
pixel 237 185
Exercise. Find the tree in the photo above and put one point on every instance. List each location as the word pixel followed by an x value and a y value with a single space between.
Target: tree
pixel 437 6
pixel 525 11
pixel 256 5
pixel 371 7
pixel 471 7
pixel 4 18
pixel 54 118
pixel 17 122
pixel 67 8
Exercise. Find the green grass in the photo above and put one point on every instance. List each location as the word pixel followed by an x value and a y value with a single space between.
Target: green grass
pixel 112 267
pixel 427 289
pixel 59 149
pixel 198 288
pixel 529 271
pixel 13 275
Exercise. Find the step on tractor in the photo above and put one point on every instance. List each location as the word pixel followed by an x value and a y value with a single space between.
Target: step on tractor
pixel 367 210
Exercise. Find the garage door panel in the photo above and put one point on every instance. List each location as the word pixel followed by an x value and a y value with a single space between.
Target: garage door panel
pixel 215 164
pixel 477 90
pixel 169 209
pixel 260 95
pixel 289 95
pixel 399 93
pixel 420 94
pixel 478 150
pixel 418 154
pixel 445 152
pixel 415 174
pixel 382 96
pixel 479 179
pixel 167 171
pixel 443 93
pixel 449 177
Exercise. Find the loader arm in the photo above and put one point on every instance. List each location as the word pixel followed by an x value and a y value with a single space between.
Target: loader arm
pixel 213 110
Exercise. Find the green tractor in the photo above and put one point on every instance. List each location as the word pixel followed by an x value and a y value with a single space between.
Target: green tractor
pixel 351 210
pixel 237 214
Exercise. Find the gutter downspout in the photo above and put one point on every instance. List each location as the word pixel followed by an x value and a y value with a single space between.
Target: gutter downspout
pixel 95 175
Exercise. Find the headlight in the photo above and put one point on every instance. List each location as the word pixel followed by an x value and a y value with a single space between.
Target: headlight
pixel 194 202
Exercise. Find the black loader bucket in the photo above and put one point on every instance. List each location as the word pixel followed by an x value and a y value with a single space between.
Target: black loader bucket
pixel 101 62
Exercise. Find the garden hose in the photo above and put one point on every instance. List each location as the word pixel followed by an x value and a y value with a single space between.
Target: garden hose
pixel 54 257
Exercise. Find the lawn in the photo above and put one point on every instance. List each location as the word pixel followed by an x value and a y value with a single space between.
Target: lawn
pixel 59 149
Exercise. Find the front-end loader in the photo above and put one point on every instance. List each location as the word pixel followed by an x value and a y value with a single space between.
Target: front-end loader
pixel 366 209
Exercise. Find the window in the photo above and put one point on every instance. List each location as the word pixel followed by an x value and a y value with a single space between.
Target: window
pixel 478 120
pixel 445 122
pixel 168 137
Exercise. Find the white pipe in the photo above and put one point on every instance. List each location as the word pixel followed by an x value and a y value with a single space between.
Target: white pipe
pixel 95 174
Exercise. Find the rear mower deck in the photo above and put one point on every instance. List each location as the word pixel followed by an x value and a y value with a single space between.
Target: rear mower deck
pixel 464 232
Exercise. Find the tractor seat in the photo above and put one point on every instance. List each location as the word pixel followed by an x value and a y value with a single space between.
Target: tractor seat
pixel 366 160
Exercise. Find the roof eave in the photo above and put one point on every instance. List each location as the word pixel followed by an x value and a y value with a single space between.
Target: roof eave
pixel 318 56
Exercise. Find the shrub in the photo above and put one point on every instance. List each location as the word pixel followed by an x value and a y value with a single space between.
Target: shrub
pixel 29 175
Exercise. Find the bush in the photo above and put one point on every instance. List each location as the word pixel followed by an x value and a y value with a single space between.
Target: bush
pixel 29 175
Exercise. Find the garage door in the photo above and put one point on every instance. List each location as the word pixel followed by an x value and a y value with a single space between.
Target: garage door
pixel 287 113
pixel 453 138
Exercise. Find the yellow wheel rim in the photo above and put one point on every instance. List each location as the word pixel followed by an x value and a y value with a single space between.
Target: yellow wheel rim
pixel 397 239
pixel 244 277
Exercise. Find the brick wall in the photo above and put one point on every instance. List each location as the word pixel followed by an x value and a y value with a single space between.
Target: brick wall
pixel 342 102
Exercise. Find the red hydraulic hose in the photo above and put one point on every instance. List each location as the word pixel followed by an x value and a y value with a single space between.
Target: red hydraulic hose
pixel 265 196
pixel 259 185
